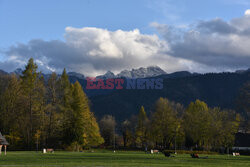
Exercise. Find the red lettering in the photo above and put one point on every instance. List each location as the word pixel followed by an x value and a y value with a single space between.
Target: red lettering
pixel 90 83
pixel 110 84
pixel 119 82
pixel 100 84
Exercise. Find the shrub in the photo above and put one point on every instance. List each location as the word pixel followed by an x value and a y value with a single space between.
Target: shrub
pixel 188 152
pixel 243 152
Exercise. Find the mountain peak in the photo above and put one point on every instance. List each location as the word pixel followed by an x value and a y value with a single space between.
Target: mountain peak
pixel 107 75
pixel 2 72
pixel 242 71
pixel 75 74
pixel 18 71
pixel 142 72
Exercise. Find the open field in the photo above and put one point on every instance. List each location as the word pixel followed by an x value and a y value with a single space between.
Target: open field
pixel 106 158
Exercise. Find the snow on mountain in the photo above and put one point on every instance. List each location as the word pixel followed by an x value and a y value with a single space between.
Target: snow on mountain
pixel 77 75
pixel 125 73
pixel 107 75
pixel 142 72
pixel 18 71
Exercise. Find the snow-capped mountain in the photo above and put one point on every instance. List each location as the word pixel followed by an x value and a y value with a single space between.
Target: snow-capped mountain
pixel 77 75
pixel 142 72
pixel 242 71
pixel 125 73
pixel 18 71
pixel 135 73
pixel 107 75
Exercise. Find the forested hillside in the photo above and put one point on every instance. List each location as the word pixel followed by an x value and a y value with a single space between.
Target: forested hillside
pixel 216 89
pixel 220 90
pixel 40 110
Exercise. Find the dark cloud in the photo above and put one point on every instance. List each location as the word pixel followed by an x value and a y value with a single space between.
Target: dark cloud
pixel 216 26
pixel 93 51
pixel 208 46
pixel 215 43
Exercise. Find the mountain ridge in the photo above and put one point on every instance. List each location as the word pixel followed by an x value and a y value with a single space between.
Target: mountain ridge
pixel 142 72
pixel 216 89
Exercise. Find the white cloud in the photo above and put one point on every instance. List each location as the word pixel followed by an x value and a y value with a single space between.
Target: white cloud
pixel 89 36
pixel 216 43
pixel 247 12
pixel 207 46
pixel 93 51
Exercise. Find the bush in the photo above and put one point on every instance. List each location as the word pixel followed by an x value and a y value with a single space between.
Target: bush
pixel 74 147
pixel 187 152
pixel 168 152
pixel 243 152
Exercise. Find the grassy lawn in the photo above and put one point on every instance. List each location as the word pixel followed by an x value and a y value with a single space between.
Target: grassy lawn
pixel 106 158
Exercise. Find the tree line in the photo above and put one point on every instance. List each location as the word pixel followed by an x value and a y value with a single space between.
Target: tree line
pixel 171 126
pixel 35 113
pixel 56 113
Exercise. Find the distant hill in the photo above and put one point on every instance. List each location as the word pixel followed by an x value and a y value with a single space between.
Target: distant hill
pixel 3 72
pixel 18 71
pixel 216 89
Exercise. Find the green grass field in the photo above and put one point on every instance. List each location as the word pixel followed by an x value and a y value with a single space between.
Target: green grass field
pixel 120 158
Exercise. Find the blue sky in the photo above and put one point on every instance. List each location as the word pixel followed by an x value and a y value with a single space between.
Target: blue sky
pixel 24 20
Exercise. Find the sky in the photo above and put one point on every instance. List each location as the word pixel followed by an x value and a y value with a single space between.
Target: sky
pixel 94 36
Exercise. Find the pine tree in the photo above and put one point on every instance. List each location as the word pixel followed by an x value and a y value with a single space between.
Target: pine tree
pixel 54 116
pixel 66 91
pixel 84 128
pixel 33 94
pixel 65 100
pixel 11 107
pixel 142 128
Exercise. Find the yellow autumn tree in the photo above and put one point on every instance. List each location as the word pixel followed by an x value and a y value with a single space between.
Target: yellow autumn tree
pixel 84 128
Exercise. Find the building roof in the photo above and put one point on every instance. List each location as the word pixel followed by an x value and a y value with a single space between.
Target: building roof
pixel 3 141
